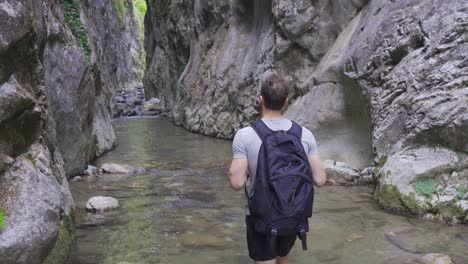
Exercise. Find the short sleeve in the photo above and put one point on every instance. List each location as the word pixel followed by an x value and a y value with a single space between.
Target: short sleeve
pixel 239 145
pixel 309 139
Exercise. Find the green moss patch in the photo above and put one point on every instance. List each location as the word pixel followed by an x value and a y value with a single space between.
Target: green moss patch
pixel 120 6
pixel 140 8
pixel 180 70
pixel 447 212
pixel 391 199
pixel 461 192
pixel 426 186
pixel 63 246
pixel 72 17
pixel 2 220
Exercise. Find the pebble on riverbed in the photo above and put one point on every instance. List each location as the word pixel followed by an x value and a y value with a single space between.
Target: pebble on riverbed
pixel 100 204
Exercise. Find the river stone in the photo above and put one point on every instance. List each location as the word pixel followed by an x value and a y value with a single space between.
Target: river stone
pixel 152 105
pixel 437 259
pixel 340 171
pixel 115 168
pixel 101 204
pixel 416 240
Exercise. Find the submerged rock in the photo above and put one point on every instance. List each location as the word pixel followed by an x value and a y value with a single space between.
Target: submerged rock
pixel 114 168
pixel 203 241
pixel 101 204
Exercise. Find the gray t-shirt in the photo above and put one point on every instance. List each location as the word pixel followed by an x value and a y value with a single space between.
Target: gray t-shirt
pixel 246 144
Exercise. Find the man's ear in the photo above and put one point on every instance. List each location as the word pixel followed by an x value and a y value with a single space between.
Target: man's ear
pixel 286 103
pixel 260 100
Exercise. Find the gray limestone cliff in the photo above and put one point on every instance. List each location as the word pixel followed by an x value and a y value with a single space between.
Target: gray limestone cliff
pixel 116 41
pixel 34 195
pixel 380 83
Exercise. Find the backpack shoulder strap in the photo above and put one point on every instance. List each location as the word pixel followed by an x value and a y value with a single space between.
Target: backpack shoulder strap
pixel 261 129
pixel 295 130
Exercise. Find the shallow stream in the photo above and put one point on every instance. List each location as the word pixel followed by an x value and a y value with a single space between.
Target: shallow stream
pixel 183 211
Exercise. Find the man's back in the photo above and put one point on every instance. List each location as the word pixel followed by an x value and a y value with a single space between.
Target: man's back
pixel 247 143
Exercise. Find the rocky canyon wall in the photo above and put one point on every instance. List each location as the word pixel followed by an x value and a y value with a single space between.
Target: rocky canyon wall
pixel 116 41
pixel 34 195
pixel 379 83
pixel 57 81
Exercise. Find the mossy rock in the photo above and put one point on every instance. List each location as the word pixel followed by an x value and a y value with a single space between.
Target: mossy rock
pixel 63 246
pixel 388 197
pixel 449 212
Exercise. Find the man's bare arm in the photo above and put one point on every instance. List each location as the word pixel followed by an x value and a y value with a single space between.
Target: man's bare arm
pixel 238 174
pixel 318 170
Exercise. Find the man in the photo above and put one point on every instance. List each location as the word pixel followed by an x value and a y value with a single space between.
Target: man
pixel 246 148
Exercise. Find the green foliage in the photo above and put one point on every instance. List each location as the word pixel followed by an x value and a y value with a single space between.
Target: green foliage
pixel 2 220
pixel 426 186
pixel 461 192
pixel 120 7
pixel 140 11
pixel 72 17
pixel 180 70
pixel 140 8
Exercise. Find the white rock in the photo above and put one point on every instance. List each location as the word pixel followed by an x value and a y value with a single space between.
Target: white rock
pixel 437 258
pixel 463 204
pixel 446 198
pixel 152 105
pixel 91 170
pixel 115 168
pixel 101 204
pixel 340 171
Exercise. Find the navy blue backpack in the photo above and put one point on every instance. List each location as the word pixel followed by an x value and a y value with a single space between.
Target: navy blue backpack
pixel 283 192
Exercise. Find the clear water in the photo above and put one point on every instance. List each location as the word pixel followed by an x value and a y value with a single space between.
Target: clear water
pixel 182 210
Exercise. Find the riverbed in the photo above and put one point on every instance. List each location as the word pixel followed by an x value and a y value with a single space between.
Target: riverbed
pixel 183 211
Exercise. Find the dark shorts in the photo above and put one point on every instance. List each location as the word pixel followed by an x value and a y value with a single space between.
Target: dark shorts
pixel 260 248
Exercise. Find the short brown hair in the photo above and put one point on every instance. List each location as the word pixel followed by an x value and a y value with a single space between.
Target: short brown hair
pixel 274 91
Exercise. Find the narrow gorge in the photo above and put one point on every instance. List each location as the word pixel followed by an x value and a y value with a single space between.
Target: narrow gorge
pixel 383 85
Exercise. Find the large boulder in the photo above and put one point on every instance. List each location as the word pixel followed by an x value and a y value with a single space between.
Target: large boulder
pixel 424 180
pixel 36 182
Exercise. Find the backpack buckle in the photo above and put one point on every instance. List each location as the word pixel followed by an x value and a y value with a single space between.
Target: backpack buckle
pixel 303 237
pixel 273 235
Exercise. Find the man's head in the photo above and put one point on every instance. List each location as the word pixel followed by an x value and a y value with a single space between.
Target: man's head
pixel 274 92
